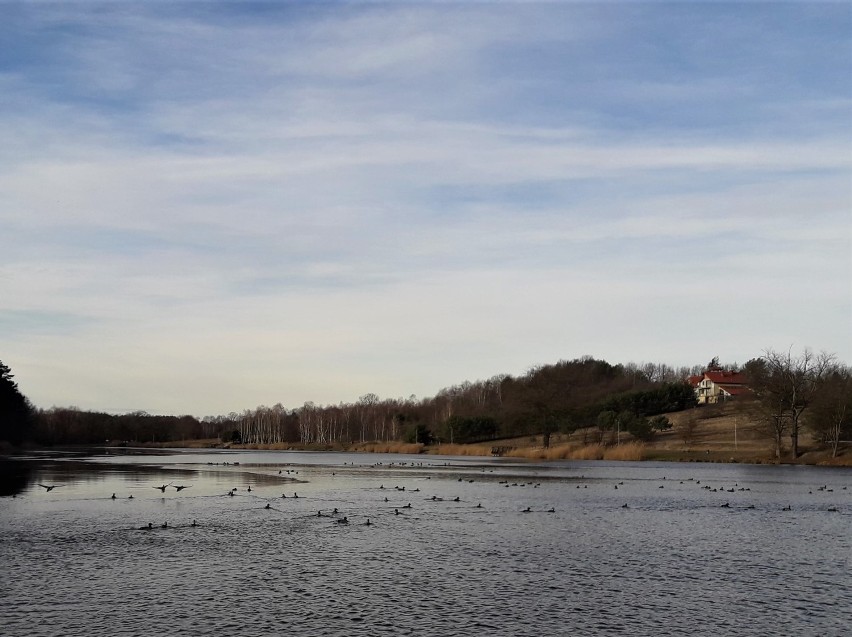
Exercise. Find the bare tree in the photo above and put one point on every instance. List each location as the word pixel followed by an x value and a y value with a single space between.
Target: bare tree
pixel 831 417
pixel 789 386
pixel 688 428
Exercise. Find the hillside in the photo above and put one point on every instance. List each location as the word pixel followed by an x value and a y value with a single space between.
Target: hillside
pixel 714 433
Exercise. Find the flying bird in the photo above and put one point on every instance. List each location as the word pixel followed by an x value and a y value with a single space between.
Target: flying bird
pixel 163 488
pixel 49 487
pixel 181 487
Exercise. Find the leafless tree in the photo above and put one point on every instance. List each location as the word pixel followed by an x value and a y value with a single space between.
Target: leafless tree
pixel 788 388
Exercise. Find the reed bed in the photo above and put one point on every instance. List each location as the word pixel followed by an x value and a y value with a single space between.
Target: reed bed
pixel 626 451
pixel 460 450
pixel 557 452
pixel 589 452
pixel 389 447
pixel 566 451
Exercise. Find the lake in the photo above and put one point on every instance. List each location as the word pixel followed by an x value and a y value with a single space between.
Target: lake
pixel 454 546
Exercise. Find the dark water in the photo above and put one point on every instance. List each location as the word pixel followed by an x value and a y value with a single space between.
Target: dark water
pixel 675 561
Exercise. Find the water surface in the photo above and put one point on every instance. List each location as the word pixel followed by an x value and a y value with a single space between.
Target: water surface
pixel 629 548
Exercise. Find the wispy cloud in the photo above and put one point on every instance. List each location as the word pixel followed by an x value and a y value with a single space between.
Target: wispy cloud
pixel 335 199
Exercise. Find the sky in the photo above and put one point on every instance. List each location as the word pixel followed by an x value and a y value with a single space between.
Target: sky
pixel 207 207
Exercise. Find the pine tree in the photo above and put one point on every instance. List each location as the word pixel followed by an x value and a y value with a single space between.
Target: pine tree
pixel 16 412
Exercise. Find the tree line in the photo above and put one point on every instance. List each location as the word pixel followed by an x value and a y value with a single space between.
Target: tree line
pixel 790 393
pixel 547 399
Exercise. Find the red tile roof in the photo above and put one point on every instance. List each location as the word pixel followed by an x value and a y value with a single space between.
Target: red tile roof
pixel 727 378
pixel 735 390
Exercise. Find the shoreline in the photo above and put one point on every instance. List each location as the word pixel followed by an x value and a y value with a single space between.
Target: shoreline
pixel 526 450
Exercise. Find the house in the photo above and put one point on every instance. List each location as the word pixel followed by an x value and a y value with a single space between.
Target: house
pixel 717 385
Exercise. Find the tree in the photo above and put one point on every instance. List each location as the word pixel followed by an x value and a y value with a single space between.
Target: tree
pixel 688 428
pixel 790 386
pixel 16 412
pixel 831 417
pixel 421 434
pixel 473 429
pixel 786 386
pixel 660 423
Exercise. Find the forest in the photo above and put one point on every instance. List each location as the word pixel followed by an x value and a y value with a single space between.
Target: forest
pixel 548 398
pixel 562 397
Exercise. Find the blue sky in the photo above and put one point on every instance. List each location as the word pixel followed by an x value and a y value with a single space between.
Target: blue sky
pixel 205 207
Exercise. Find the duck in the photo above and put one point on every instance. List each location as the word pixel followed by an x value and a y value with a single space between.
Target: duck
pixel 162 488
pixel 368 523
pixel 164 525
pixel 112 497
pixel 194 523
pixel 343 520
pixel 48 487
pixel 180 487
pixel 527 510
pixel 146 528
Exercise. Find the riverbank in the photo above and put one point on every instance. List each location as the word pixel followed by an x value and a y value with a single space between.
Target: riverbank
pixel 722 433
pixel 663 449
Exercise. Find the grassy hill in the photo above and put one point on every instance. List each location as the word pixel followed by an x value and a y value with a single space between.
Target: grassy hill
pixel 713 433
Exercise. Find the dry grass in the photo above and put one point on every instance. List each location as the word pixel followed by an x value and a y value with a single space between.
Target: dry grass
pixel 530 453
pixel 569 451
pixel 460 450
pixel 388 447
pixel 589 452
pixel 627 451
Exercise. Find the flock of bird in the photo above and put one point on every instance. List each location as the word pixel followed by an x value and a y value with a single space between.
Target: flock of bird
pixel 341 519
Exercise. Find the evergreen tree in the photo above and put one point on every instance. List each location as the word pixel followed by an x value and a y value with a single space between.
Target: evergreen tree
pixel 16 413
